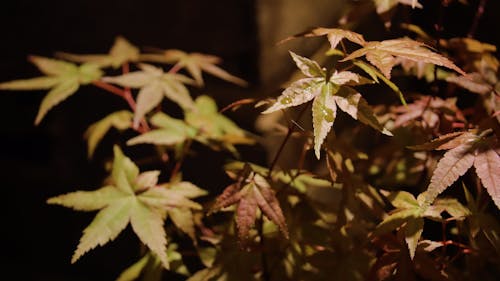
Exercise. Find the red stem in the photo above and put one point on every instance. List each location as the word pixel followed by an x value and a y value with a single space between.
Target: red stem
pixel 477 17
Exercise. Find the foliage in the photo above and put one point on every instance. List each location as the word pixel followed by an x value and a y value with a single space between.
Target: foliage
pixel 368 210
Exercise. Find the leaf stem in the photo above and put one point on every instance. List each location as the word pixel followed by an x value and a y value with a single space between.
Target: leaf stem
pixel 178 164
pixel 291 128
pixel 477 17
pixel 126 95
pixel 175 68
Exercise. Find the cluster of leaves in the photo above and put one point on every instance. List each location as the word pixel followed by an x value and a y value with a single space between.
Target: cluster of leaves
pixel 369 209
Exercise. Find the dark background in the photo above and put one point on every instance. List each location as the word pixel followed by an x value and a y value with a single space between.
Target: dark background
pixel 40 162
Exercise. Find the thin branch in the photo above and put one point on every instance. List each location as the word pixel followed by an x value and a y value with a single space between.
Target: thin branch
pixel 291 128
pixel 477 17
pixel 178 165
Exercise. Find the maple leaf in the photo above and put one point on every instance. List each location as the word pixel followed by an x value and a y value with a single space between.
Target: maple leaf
pixel 131 197
pixel 383 54
pixel 408 215
pixel 212 126
pixel 430 111
pixel 334 35
pixel 183 217
pixel 249 194
pixel 62 78
pixel 383 6
pixel 120 53
pixel 154 84
pixel 170 131
pixel 326 93
pixel 119 120
pixel 194 63
pixel 376 75
pixel 466 150
pixel 150 267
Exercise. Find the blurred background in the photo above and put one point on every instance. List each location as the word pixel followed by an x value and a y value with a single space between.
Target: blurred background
pixel 40 162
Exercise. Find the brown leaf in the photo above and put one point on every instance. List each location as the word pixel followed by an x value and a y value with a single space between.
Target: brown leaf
pixel 383 54
pixel 256 193
pixel 334 35
pixel 453 165
pixel 487 164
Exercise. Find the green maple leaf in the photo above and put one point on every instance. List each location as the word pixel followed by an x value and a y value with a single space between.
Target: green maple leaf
pixel 169 131
pixel 212 126
pixel 121 52
pixel 150 267
pixel 194 63
pixel 154 84
pixel 62 78
pixel 132 197
pixel 183 217
pixel 119 120
pixel 327 94
pixel 408 214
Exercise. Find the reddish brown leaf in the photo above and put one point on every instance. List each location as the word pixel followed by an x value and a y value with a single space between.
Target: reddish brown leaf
pixel 453 165
pixel 246 215
pixel 487 164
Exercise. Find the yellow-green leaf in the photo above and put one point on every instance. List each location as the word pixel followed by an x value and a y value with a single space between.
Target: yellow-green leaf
pixel 59 93
pixel 120 120
pixel 309 67
pixel 38 83
pixel 105 227
pixel 413 231
pixel 147 223
pixel 324 111
pixel 351 102
pixel 88 200
pixel 52 67
pixel 134 271
pixel 121 52
pixel 375 75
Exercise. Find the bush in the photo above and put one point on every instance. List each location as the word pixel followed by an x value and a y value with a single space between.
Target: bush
pixel 404 187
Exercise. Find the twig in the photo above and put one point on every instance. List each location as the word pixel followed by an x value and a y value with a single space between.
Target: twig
pixel 291 128
pixel 477 17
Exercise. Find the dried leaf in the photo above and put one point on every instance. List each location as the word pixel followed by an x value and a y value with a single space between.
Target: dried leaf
pixel 383 54
pixel 454 164
pixel 334 35
pixel 487 164
pixel 256 193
